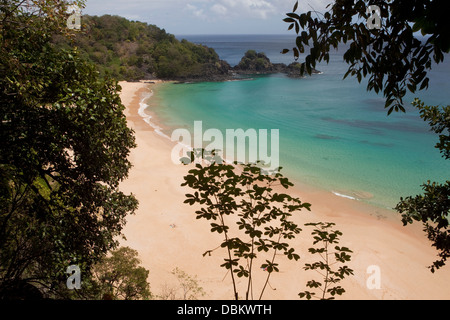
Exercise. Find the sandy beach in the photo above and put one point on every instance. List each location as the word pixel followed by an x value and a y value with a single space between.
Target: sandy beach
pixel 167 235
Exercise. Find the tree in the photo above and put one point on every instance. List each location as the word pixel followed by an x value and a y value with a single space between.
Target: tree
pixel 254 61
pixel 328 258
pixel 262 217
pixel 143 51
pixel 64 144
pixel 395 60
pixel 433 206
pixel 119 277
pixel 187 285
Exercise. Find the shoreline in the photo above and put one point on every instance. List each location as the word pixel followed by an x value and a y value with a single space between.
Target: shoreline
pixel 166 234
pixel 152 119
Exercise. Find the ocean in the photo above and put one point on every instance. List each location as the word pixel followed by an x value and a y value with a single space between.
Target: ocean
pixel 334 135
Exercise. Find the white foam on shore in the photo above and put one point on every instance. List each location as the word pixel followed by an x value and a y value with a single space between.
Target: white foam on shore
pixel 344 196
pixel 148 118
pixel 143 105
pixel 239 80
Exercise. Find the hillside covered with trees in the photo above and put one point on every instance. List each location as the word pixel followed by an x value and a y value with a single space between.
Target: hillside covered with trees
pixel 130 50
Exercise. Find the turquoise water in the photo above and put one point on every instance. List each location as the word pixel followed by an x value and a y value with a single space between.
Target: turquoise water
pixel 333 133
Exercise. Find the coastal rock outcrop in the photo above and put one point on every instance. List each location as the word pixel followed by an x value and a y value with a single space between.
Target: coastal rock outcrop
pixel 251 63
pixel 258 63
pixel 254 62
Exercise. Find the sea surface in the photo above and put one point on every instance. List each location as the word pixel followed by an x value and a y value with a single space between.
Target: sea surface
pixel 334 135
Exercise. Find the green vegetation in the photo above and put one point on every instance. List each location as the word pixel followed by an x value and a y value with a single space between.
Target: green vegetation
pixel 258 63
pixel 433 207
pixel 261 214
pixel 188 288
pixel 117 277
pixel 64 146
pixel 255 61
pixel 131 50
pixel 255 221
pixel 395 60
pixel 328 258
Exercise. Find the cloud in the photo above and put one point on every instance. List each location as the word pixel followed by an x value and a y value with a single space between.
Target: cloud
pixel 219 9
pixel 248 9
pixel 199 16
pixel 197 12
pixel 230 9
pixel 259 9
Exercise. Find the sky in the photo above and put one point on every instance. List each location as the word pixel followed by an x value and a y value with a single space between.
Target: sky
pixel 181 17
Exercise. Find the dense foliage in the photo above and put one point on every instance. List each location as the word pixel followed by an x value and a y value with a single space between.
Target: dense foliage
pixel 246 206
pixel 131 50
pixel 256 61
pixel 433 207
pixel 118 276
pixel 64 144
